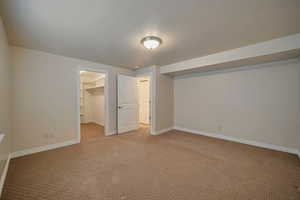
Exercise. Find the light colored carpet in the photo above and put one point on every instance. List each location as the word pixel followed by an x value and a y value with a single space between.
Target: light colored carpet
pixel 172 166
pixel 91 131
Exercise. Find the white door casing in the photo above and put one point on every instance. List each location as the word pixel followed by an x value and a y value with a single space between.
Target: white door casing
pixel 144 100
pixel 128 117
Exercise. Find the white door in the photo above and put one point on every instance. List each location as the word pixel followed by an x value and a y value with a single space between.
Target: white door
pixel 127 104
pixel 144 99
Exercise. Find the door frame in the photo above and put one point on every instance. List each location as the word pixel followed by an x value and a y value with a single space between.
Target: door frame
pixel 152 98
pixel 106 101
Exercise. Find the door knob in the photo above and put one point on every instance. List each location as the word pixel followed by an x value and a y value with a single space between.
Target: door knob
pixel 120 107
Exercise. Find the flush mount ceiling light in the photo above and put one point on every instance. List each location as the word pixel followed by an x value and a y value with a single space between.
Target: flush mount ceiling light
pixel 151 42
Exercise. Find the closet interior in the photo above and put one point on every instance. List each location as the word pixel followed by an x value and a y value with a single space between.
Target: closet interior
pixel 92 103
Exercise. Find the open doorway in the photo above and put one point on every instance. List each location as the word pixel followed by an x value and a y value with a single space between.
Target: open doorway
pixel 144 102
pixel 92 105
pixel 135 104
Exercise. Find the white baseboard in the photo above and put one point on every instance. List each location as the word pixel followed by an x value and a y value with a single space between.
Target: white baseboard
pixel 43 148
pixel 93 122
pixel 4 173
pixel 128 128
pixel 243 141
pixel 101 124
pixel 113 132
pixel 162 131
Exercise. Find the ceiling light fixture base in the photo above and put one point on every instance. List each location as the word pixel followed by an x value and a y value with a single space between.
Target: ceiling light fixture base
pixel 151 42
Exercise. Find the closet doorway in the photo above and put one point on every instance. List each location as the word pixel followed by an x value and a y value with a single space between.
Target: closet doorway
pixel 92 105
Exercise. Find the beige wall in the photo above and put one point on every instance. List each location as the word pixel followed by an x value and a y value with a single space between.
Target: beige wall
pixel 4 97
pixel 259 103
pixel 164 101
pixel 163 93
pixel 44 97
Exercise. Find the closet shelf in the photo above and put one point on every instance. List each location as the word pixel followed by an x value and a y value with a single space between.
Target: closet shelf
pixel 95 88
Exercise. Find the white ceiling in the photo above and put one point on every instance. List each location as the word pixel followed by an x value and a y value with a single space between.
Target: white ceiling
pixel 109 31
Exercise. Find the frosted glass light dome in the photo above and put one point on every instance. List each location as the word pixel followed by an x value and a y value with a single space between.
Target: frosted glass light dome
pixel 151 42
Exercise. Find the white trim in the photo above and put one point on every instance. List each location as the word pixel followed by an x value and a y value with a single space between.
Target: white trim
pixel 127 129
pixel 4 173
pixel 152 96
pixel 1 137
pixel 78 114
pixel 114 132
pixel 239 140
pixel 159 132
pixel 154 93
pixel 100 124
pixel 106 96
pixel 43 148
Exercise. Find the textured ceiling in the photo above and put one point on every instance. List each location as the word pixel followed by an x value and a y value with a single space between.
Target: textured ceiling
pixel 109 31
